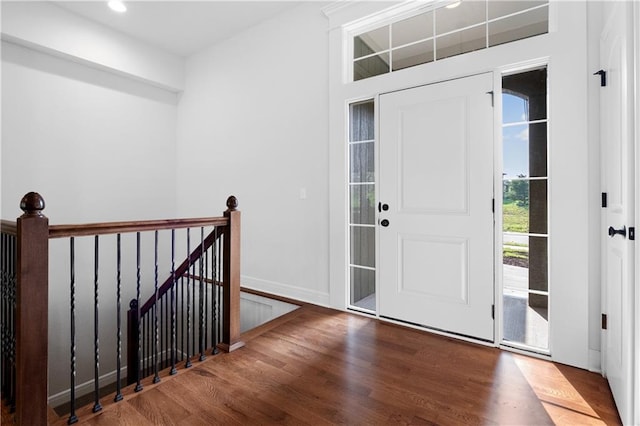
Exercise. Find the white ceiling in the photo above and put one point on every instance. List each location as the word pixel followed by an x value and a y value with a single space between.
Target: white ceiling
pixel 180 27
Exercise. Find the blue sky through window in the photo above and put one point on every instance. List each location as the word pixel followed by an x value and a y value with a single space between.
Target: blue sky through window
pixel 515 139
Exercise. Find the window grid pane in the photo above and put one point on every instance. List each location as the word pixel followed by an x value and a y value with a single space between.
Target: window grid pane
pixel 362 215
pixel 525 210
pixel 445 32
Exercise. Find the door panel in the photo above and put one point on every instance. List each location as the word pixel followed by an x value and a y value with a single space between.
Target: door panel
pixel 421 163
pixel 617 157
pixel 436 175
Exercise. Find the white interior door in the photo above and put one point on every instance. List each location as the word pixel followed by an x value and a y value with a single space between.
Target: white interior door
pixel 436 178
pixel 617 157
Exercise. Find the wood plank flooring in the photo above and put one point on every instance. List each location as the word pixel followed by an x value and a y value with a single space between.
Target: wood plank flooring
pixel 318 366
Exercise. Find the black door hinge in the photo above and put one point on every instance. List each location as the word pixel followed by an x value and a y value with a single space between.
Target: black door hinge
pixel 604 321
pixel 632 233
pixel 493 205
pixel 491 93
pixel 603 77
pixel 604 199
pixel 493 311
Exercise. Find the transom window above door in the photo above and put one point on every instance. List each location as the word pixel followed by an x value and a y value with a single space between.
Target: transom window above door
pixel 445 29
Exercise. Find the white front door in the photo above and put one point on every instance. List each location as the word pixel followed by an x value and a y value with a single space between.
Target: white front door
pixel 617 157
pixel 436 180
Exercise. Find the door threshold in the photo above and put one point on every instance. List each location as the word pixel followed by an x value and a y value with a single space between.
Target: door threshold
pixel 523 350
pixel 434 330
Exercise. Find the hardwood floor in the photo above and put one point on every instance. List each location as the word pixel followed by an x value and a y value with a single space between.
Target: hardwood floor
pixel 318 366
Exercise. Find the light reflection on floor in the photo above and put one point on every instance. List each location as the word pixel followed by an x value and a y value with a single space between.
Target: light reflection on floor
pixel 560 399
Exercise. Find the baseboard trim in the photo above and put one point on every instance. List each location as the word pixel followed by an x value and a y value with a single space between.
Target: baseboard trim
pixel 84 388
pixel 285 290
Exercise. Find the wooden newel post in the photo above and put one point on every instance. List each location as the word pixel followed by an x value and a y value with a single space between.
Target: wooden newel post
pixel 231 279
pixel 32 305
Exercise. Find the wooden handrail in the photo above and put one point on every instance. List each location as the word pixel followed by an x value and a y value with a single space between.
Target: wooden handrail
pixel 8 227
pixel 90 229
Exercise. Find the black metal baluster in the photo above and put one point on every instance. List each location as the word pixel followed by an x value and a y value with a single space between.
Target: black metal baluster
pixel 147 341
pixel 13 289
pixel 182 334
pixel 220 288
pixel 201 297
pixel 118 396
pixel 72 314
pixel 163 330
pixel 173 303
pixel 138 387
pixel 96 342
pixel 213 290
pixel 3 300
pixel 193 304
pixel 145 344
pixel 165 345
pixel 206 302
pixel 188 362
pixel 214 307
pixel 3 254
pixel 156 337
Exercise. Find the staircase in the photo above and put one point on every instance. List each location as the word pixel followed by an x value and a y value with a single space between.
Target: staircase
pixel 173 319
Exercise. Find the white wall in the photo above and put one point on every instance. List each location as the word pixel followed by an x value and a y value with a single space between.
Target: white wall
pixel 97 147
pixel 253 122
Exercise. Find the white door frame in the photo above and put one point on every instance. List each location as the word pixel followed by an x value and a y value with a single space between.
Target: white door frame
pixel 565 46
pixel 636 104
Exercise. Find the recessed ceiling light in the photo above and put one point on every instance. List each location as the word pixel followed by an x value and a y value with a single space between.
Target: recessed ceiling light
pixel 453 5
pixel 118 6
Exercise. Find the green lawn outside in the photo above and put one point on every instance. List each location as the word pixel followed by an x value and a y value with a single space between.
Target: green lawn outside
pixel 515 218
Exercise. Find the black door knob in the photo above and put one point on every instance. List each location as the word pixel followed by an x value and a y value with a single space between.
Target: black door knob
pixel 613 231
pixel 384 222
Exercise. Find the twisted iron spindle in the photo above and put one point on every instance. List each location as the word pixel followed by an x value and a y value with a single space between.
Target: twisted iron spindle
pixel 188 362
pixel 193 304
pixel 96 342
pixel 163 332
pixel 3 253
pixel 214 290
pixel 147 343
pixel 156 377
pixel 182 335
pixel 118 396
pixel 206 302
pixel 201 297
pixel 174 302
pixel 72 413
pixel 219 290
pixel 138 387
pixel 8 371
pixel 13 290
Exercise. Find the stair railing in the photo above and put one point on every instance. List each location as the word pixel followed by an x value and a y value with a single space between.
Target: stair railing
pixel 24 265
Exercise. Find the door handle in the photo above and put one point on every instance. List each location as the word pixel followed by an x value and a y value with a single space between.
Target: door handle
pixel 613 231
pixel 384 222
pixel 382 207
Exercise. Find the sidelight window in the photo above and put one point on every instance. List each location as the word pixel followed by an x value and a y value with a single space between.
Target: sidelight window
pixel 362 206
pixel 525 266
